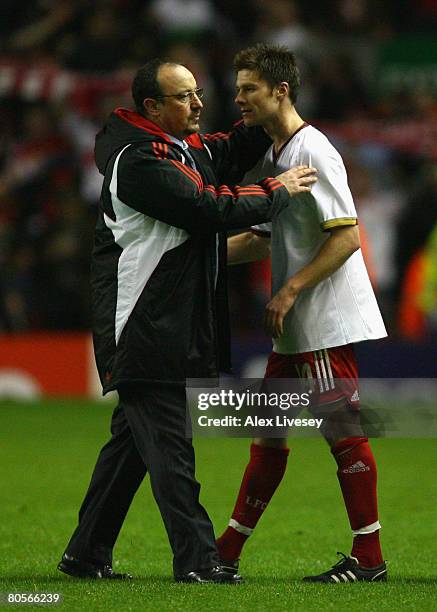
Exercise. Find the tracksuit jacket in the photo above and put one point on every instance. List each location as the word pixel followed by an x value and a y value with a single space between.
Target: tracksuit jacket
pixel 158 274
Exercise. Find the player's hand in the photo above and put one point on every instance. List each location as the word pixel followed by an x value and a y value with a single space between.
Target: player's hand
pixel 298 179
pixel 276 310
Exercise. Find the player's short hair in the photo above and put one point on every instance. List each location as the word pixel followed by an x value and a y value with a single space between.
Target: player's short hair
pixel 145 83
pixel 273 64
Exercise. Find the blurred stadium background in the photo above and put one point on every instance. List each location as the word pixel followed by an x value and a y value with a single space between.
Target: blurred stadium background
pixel 369 72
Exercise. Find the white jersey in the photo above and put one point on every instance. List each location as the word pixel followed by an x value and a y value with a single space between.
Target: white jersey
pixel 342 308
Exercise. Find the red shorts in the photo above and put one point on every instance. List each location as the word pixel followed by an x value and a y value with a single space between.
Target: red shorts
pixel 332 374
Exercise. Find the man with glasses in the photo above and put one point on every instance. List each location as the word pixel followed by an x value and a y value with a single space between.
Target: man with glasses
pixel 160 306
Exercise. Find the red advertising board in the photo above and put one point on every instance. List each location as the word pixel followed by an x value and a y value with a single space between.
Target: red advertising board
pixel 43 364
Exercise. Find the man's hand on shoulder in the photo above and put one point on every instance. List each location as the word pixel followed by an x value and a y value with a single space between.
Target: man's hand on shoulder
pixel 298 179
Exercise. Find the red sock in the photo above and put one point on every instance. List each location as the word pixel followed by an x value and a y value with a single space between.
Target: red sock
pixel 263 474
pixel 357 476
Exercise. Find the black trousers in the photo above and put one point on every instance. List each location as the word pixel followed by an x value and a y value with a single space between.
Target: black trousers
pixel 148 434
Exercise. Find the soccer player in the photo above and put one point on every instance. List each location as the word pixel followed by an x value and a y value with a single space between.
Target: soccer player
pixel 322 303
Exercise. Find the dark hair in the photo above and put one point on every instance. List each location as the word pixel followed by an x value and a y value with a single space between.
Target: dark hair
pixel 273 64
pixel 145 83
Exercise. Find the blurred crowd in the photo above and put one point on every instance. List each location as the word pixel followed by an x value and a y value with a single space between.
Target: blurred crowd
pixel 64 66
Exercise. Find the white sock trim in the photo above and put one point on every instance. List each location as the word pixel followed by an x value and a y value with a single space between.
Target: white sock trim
pixel 241 528
pixel 367 529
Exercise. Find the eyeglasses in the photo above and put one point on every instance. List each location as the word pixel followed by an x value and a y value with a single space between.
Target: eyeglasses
pixel 187 96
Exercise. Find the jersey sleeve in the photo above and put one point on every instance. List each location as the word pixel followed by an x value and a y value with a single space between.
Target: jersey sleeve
pixel 169 191
pixel 331 194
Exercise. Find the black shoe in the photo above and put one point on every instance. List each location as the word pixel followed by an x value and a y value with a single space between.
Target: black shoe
pixel 84 569
pixel 215 575
pixel 348 570
pixel 231 567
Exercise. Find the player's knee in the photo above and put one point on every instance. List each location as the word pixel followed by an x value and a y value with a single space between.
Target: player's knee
pixel 340 422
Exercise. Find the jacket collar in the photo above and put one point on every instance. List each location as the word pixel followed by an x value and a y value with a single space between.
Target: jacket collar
pixel 137 120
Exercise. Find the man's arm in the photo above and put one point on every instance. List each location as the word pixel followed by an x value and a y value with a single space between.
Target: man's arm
pixel 342 242
pixel 237 151
pixel 169 191
pixel 247 247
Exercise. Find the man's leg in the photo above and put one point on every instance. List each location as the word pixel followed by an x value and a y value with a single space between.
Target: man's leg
pixel 263 474
pixel 157 418
pixel 117 475
pixel 357 476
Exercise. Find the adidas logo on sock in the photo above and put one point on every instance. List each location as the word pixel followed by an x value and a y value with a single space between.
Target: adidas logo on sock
pixel 355 396
pixel 359 466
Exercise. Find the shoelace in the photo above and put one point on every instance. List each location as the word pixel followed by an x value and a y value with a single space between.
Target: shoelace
pixel 345 557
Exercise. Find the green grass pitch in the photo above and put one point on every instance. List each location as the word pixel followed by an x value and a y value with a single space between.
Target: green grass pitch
pixel 48 449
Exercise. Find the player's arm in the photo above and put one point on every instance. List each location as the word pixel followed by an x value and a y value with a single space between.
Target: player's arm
pixel 342 242
pixel 247 247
